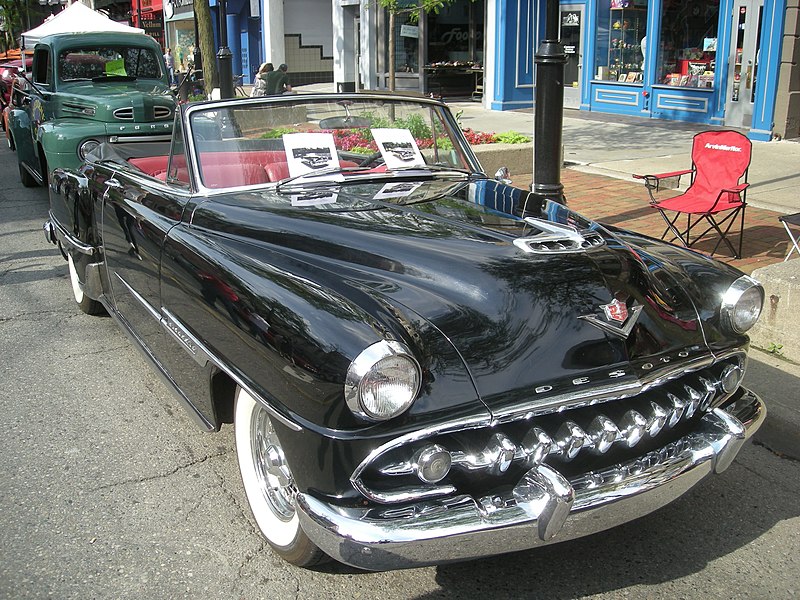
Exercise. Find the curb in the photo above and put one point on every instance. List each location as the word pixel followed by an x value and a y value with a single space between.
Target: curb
pixel 777 381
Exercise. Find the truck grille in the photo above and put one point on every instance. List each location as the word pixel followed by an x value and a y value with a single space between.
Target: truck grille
pixel 162 112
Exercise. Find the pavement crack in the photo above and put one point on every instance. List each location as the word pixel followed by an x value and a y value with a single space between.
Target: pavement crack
pixel 174 471
pixel 780 455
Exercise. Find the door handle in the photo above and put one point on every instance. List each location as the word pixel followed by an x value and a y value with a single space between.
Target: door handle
pixel 749 74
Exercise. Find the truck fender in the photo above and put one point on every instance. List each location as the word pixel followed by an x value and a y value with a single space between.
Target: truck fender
pixel 20 125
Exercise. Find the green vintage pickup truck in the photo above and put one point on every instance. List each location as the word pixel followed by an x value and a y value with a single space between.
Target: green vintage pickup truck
pixel 87 89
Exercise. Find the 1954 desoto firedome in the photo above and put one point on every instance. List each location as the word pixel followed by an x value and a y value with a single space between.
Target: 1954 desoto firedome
pixel 422 364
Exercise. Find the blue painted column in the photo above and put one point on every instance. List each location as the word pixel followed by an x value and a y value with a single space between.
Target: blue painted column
pixel 769 62
pixel 234 41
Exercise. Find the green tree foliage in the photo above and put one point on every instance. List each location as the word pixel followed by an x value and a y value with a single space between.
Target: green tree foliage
pixel 17 16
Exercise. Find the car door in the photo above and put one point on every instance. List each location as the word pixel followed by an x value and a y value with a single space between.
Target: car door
pixel 136 216
pixel 137 212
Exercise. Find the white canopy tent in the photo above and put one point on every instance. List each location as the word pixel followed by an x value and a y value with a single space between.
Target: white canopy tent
pixel 76 18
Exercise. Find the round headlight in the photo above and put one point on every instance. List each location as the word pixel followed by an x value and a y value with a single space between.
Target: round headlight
pixel 741 304
pixel 382 381
pixel 87 147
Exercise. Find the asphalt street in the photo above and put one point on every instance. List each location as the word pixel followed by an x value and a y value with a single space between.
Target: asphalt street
pixel 108 490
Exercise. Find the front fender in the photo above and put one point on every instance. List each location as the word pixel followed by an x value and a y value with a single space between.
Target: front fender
pixel 60 139
pixel 703 278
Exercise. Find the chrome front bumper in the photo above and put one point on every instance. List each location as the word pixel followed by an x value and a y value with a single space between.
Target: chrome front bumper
pixel 542 508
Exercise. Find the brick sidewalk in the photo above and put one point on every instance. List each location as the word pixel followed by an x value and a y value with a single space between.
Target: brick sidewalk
pixel 625 204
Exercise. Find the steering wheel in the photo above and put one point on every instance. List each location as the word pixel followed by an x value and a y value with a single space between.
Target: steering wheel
pixel 372 158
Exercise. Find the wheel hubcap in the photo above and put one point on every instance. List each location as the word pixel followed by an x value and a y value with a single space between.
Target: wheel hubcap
pixel 271 468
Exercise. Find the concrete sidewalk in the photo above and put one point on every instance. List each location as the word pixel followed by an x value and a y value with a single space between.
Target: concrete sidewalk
pixel 619 146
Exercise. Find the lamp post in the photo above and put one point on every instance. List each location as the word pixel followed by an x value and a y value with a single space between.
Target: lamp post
pixel 224 56
pixel 550 59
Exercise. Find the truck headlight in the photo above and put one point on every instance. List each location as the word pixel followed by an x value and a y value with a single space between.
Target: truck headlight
pixel 382 381
pixel 87 147
pixel 741 304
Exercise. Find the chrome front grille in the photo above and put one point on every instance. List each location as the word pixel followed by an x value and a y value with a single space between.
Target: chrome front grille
pixel 161 112
pixel 124 114
pixel 571 441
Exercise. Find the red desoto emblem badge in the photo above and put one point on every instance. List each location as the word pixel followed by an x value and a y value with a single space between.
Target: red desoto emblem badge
pixel 616 311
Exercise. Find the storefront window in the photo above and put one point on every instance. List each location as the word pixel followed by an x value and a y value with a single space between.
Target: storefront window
pixel 688 47
pixel 455 34
pixel 621 39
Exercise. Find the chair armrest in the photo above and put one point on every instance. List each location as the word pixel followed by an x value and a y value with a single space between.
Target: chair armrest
pixel 737 188
pixel 658 176
pixel 652 182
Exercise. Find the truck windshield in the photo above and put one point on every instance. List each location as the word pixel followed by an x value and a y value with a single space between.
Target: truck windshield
pixel 94 62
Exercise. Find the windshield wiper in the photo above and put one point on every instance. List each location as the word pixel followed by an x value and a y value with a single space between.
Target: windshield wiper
pixel 321 173
pixel 402 171
pixel 436 168
pixel 100 78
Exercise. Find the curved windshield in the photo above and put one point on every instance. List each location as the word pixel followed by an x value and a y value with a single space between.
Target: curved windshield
pixel 262 142
pixel 108 61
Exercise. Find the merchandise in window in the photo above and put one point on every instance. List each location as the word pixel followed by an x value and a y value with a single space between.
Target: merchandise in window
pixel 687 54
pixel 622 32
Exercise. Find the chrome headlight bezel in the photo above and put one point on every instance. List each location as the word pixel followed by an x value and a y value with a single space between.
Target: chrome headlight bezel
pixel 365 365
pixel 87 146
pixel 741 304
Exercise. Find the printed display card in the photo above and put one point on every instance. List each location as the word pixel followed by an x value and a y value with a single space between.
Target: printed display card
pixel 396 190
pixel 398 148
pixel 310 153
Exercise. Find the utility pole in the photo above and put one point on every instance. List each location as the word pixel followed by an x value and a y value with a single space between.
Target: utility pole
pixel 224 56
pixel 550 59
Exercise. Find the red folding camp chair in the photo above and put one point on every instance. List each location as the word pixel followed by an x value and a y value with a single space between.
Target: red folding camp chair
pixel 717 194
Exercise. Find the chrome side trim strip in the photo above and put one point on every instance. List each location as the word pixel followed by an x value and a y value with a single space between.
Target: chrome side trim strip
pixel 189 342
pixel 138 297
pixel 462 528
pixel 122 139
pixel 201 354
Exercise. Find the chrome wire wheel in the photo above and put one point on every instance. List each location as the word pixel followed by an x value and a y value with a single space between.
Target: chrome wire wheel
pixel 270 464
pixel 268 483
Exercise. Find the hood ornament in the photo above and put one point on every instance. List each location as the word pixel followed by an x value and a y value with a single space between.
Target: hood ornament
pixel 557 238
pixel 619 319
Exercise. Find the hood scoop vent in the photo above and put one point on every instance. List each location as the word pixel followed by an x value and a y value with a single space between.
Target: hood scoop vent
pixel 557 238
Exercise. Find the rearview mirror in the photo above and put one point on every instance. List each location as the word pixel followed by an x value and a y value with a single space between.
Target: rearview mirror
pixel 344 123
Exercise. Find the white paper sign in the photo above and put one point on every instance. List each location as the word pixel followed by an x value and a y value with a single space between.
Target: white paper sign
pixel 401 189
pixel 310 153
pixel 314 198
pixel 398 148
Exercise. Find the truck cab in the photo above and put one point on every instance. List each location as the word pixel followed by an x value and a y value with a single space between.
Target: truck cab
pixel 86 89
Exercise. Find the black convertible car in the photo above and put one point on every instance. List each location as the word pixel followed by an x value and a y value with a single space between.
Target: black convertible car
pixel 422 364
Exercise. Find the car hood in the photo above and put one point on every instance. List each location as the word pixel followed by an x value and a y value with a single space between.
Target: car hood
pixel 526 318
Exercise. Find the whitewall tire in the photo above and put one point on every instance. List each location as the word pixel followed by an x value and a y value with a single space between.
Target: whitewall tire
pixel 268 483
